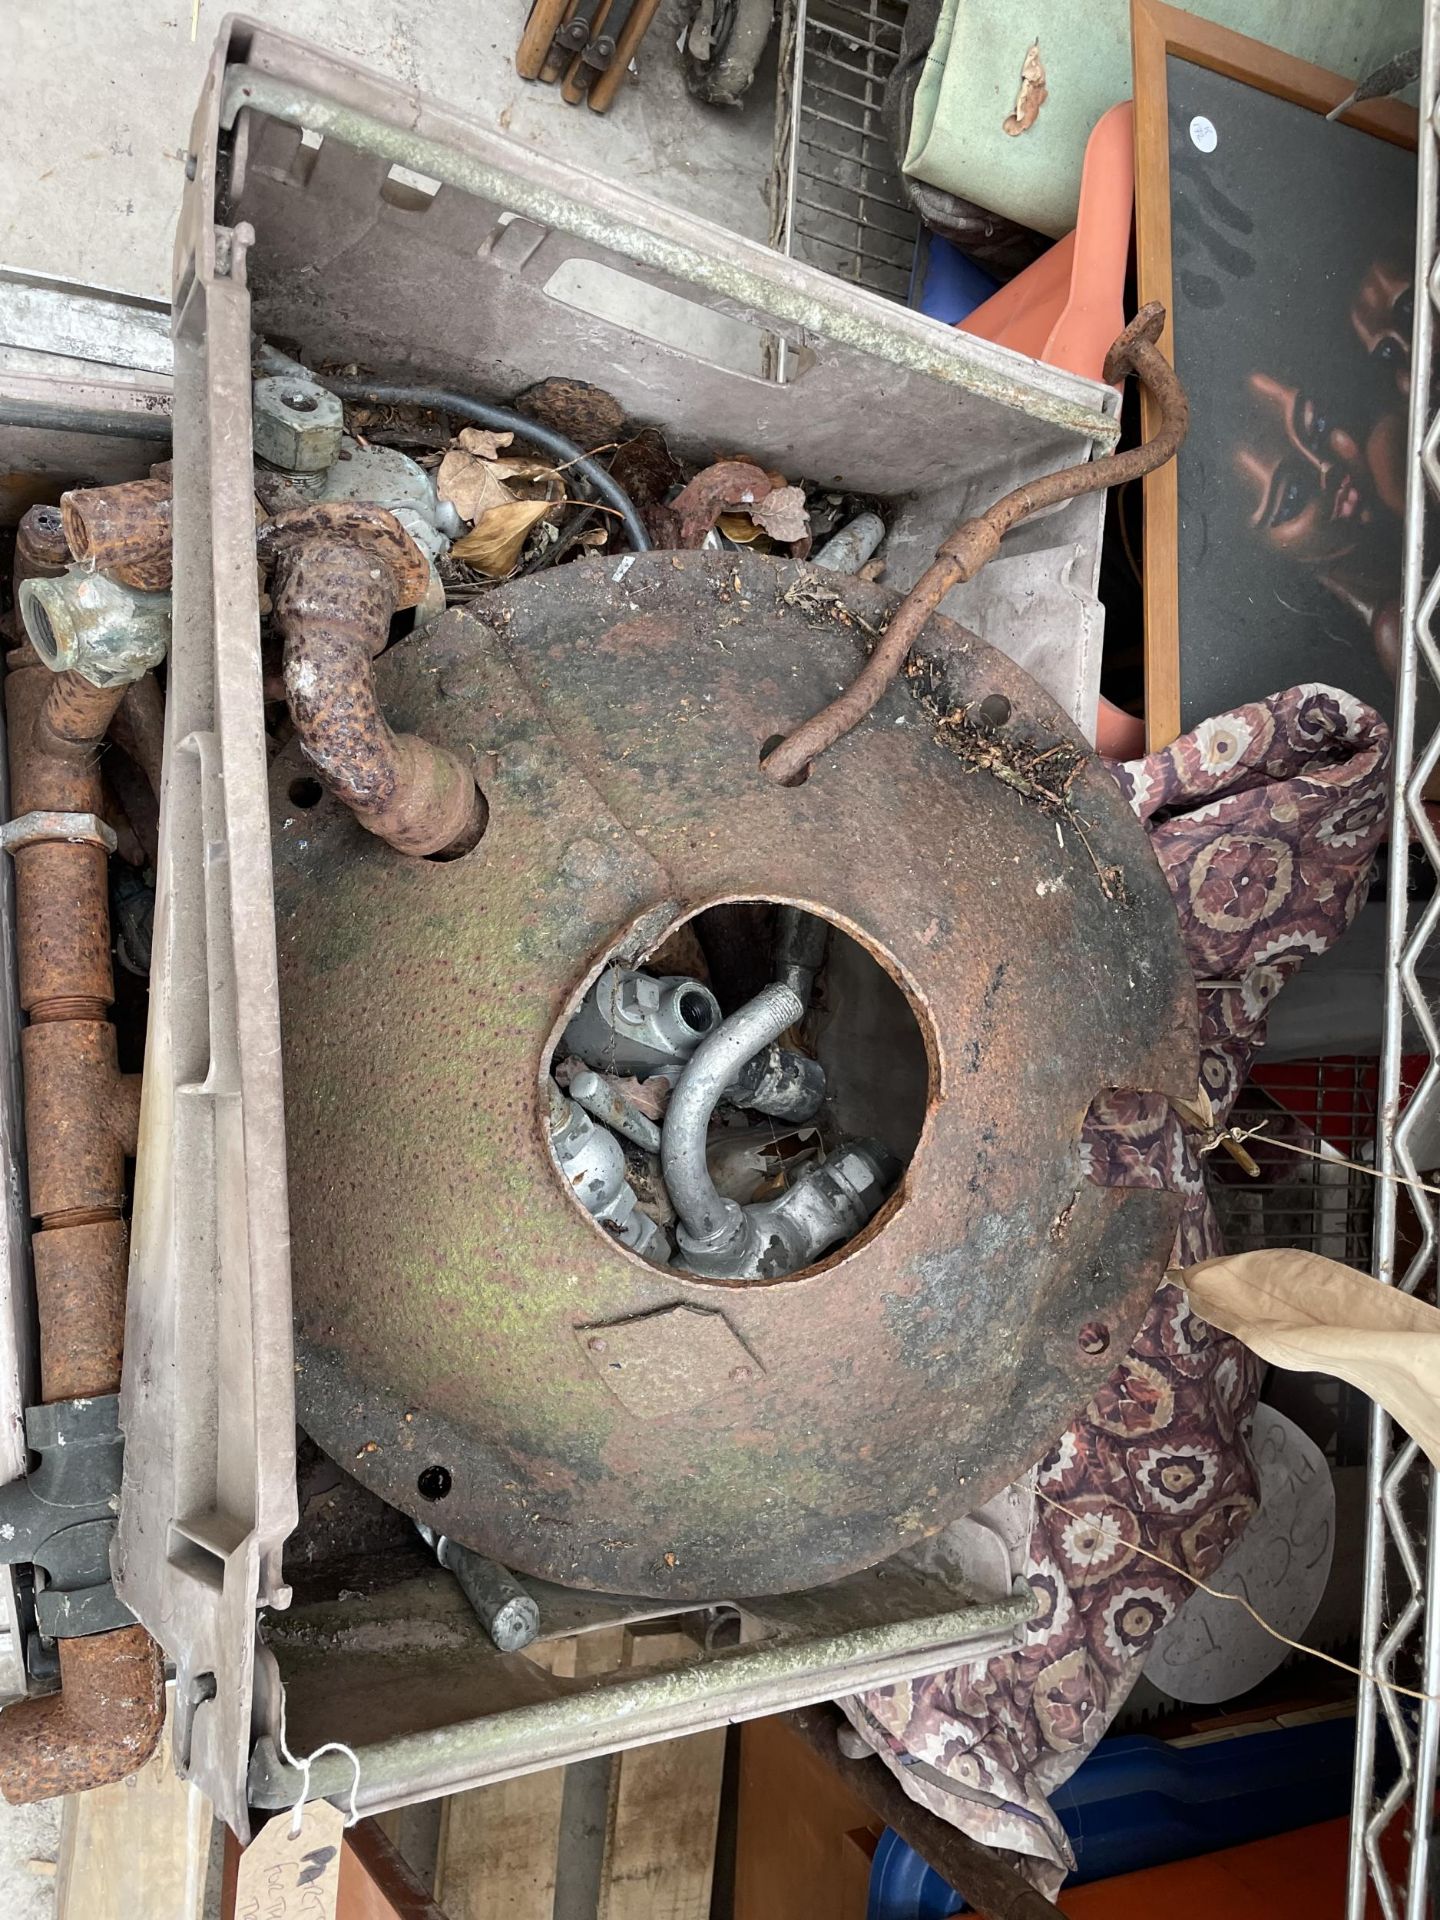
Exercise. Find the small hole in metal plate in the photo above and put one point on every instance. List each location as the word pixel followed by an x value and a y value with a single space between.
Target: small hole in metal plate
pixel 433 1483
pixel 306 792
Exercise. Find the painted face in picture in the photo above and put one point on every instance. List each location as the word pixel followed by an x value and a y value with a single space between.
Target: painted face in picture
pixel 1382 316
pixel 1322 485
pixel 1317 489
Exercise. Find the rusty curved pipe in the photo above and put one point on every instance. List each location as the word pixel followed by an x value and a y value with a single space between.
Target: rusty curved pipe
pixel 340 573
pixel 104 1723
pixel 975 543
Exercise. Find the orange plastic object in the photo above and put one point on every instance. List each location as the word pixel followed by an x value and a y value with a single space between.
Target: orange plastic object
pixel 1294 1876
pixel 1118 735
pixel 1068 307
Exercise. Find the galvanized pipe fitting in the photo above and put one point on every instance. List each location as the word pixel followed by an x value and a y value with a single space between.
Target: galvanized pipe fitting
pixel 605 1103
pixel 781 1083
pixel 88 624
pixel 641 1023
pixel 340 572
pixel 710 1225
pixel 592 1164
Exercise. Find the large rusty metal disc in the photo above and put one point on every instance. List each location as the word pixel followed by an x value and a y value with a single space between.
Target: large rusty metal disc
pixel 470 1344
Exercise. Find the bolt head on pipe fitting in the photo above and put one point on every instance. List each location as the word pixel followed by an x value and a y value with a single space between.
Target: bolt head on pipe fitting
pixel 296 424
pixel 87 623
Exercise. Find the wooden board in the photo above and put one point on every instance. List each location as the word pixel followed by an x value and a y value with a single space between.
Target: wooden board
pixel 664 1810
pixel 141 1846
pixel 499 1845
pixel 498 1849
pixel 805 1841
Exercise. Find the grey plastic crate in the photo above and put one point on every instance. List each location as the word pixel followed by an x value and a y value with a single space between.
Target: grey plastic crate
pixel 333 210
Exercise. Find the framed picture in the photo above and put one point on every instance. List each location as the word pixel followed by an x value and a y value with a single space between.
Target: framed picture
pixel 1282 246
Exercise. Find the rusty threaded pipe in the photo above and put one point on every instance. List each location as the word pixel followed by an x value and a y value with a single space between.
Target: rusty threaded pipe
pixel 977 541
pixel 123 530
pixel 337 581
pixel 81 1119
pixel 41 549
pixel 80 1274
pixel 79 1113
pixel 76 716
pixel 41 553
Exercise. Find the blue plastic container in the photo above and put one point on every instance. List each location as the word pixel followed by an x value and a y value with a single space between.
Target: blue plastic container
pixel 1138 1802
pixel 946 283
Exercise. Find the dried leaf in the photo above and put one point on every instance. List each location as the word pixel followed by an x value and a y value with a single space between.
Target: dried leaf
pixel 495 542
pixel 1032 95
pixel 724 487
pixel 737 527
pixel 482 443
pixel 521 469
pixel 782 514
pixel 471 486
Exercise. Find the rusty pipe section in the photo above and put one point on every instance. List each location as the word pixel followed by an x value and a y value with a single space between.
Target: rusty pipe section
pixel 42 552
pixel 81 1123
pixel 340 571
pixel 104 1723
pixel 123 530
pixel 972 545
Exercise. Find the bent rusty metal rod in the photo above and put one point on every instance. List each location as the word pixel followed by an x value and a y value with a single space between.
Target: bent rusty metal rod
pixel 972 545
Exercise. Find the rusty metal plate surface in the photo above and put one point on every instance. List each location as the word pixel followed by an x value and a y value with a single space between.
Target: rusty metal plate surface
pixel 615 714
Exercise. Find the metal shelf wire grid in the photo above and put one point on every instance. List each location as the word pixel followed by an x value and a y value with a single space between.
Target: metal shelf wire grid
pixel 1329 1107
pixel 1400 1629
pixel 837 197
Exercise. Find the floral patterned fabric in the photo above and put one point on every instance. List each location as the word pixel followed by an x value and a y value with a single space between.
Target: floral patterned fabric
pixel 1265 822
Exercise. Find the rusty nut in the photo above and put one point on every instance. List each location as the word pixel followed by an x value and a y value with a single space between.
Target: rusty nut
pixel 297 424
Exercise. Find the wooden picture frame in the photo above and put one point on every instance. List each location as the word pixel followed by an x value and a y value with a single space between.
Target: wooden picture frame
pixel 1160 33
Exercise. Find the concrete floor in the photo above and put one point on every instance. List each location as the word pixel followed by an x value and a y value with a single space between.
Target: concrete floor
pixel 29 1843
pixel 97 108
pixel 99 97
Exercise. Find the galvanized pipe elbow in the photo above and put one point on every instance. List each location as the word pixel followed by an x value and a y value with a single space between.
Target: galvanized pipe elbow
pixel 709 1222
pixel 338 579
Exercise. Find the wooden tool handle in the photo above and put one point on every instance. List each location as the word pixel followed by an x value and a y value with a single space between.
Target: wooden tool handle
pixel 546 17
pixel 577 74
pixel 605 86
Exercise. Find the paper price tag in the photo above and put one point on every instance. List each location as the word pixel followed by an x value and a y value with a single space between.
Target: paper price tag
pixel 292 1876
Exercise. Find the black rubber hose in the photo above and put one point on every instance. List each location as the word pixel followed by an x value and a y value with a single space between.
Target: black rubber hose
pixel 503 420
